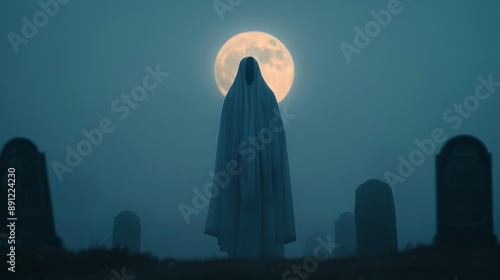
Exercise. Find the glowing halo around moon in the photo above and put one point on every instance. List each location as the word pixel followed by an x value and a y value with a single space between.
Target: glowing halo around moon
pixel 275 61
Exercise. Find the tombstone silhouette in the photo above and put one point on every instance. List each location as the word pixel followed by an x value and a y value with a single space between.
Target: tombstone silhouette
pixel 464 194
pixel 127 232
pixel 345 235
pixel 28 184
pixel 375 218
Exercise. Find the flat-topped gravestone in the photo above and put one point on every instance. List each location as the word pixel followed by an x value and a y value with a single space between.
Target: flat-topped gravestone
pixel 34 226
pixel 375 218
pixel 464 194
pixel 345 235
pixel 127 232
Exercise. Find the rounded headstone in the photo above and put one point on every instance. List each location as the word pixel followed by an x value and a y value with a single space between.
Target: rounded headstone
pixel 127 232
pixel 375 218
pixel 464 194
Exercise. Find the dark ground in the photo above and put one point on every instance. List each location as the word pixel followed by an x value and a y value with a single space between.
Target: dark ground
pixel 419 263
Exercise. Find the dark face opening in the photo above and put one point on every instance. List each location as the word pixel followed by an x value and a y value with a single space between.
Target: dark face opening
pixel 249 71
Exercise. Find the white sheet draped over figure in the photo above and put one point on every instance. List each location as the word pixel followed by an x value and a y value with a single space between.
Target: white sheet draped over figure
pixel 251 210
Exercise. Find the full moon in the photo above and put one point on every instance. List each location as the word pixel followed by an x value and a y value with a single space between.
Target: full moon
pixel 275 61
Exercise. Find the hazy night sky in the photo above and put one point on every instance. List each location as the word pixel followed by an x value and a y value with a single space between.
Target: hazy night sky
pixel 352 120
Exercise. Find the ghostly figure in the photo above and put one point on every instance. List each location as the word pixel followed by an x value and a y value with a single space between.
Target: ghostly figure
pixel 251 210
